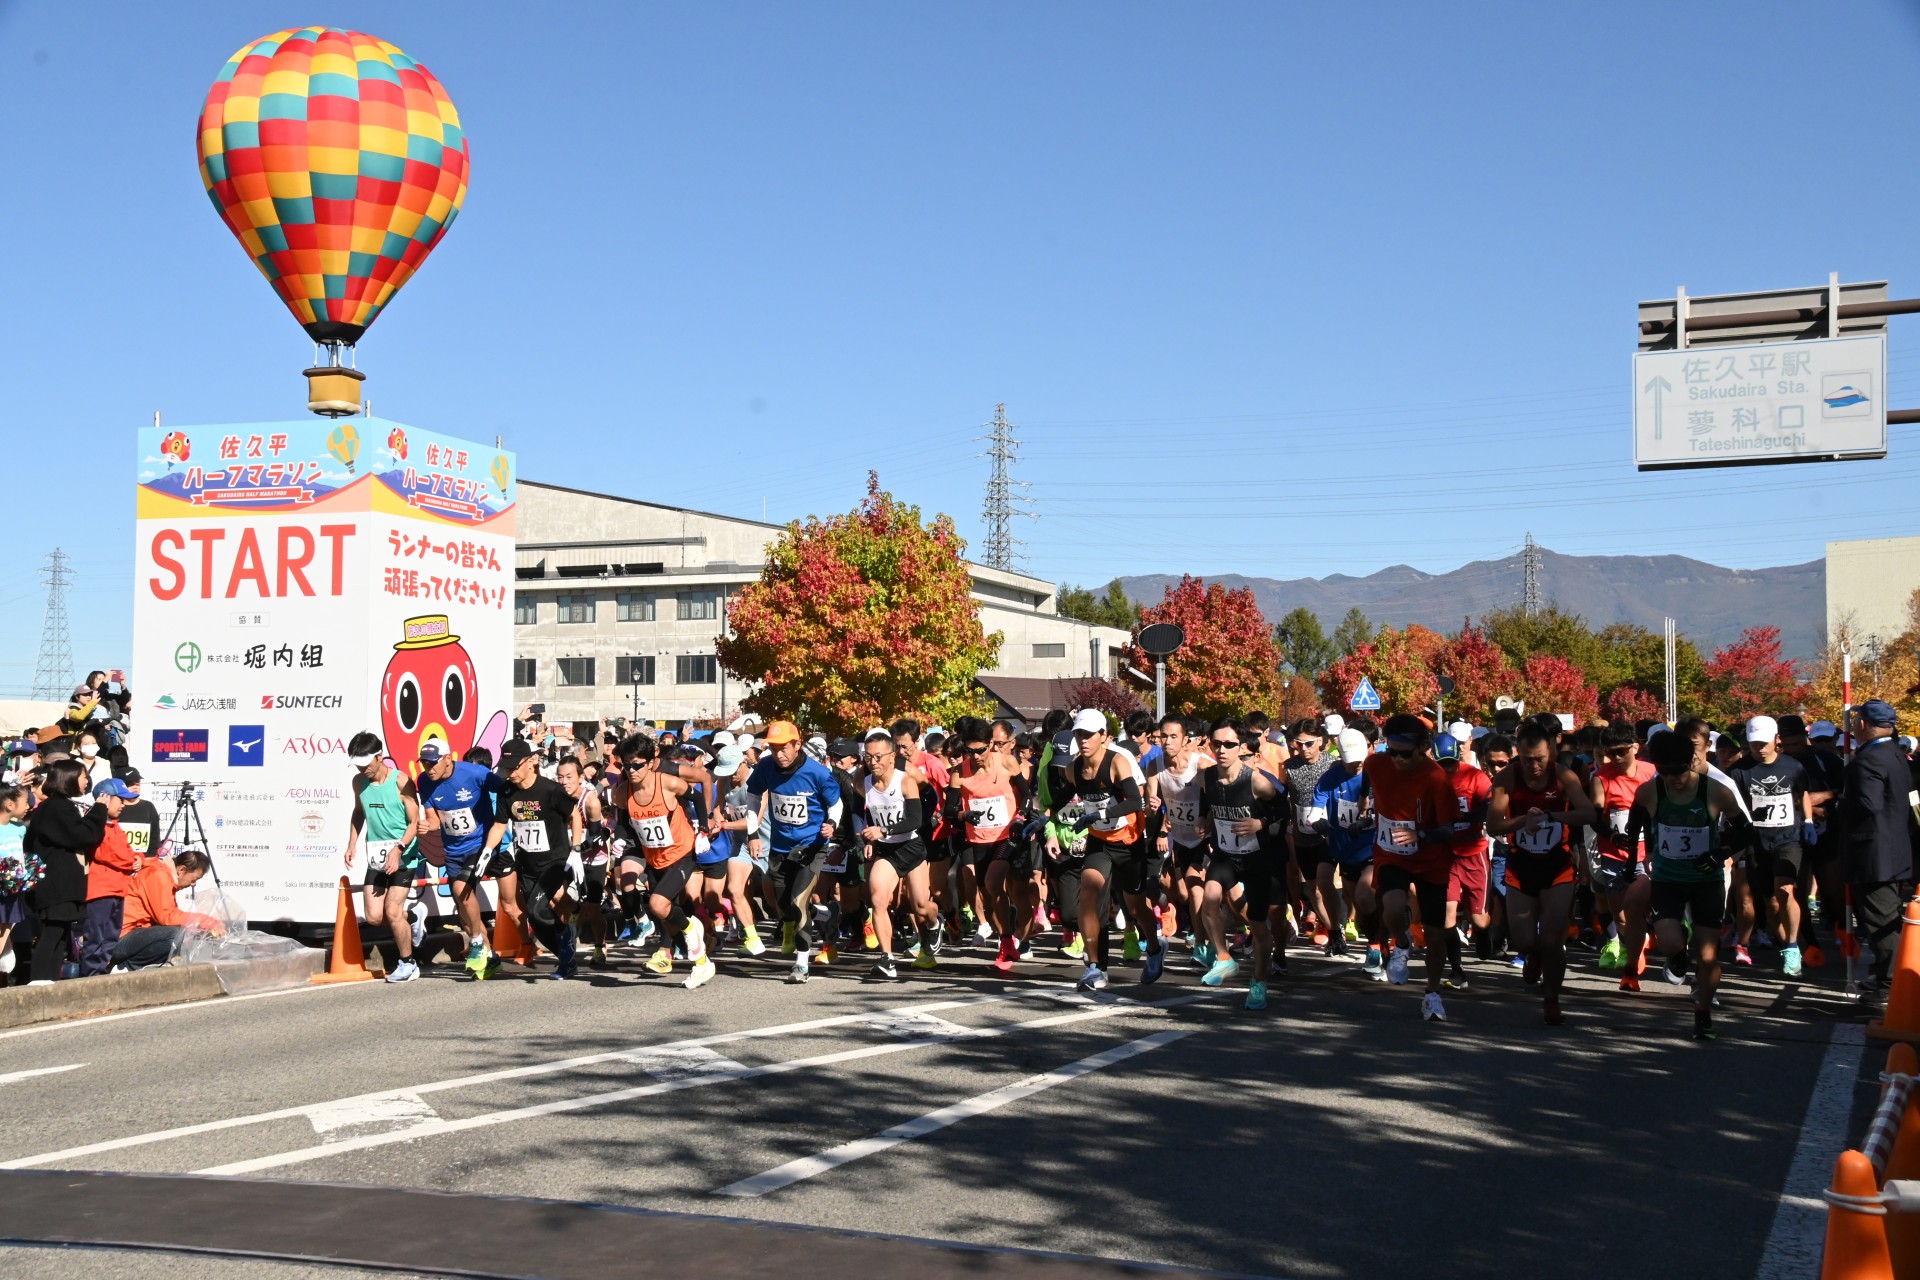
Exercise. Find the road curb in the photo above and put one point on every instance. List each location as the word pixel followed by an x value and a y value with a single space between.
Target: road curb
pixel 108 993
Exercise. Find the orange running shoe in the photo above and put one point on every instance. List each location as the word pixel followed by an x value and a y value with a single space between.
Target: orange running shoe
pixel 1813 957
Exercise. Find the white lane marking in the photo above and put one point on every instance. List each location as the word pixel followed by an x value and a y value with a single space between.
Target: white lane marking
pixel 213 1002
pixel 913 1023
pixel 491 1118
pixel 489 1077
pixel 847 1152
pixel 1799 1233
pixel 11 1076
pixel 680 1064
pixel 341 1121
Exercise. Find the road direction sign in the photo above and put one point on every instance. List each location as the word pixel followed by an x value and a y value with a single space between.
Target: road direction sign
pixel 1365 697
pixel 1816 400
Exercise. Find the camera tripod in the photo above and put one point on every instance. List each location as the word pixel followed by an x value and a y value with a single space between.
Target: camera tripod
pixel 193 830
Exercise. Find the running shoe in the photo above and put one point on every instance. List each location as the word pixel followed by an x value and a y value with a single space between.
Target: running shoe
pixel 405 971
pixel 1156 961
pixel 491 969
pixel 1203 955
pixel 1094 979
pixel 1703 1025
pixel 750 942
pixel 642 930
pixel 800 971
pixel 1074 950
pixel 1397 966
pixel 1516 961
pixel 561 972
pixel 1674 977
pixel 1257 996
pixel 1353 931
pixel 1431 1009
pixel 661 961
pixel 983 932
pixel 1813 957
pixel 1222 969
pixel 1320 937
pixel 702 974
pixel 1553 1014
pixel 477 960
pixel 696 940
pixel 1455 981
pixel 868 938
pixel 786 938
pixel 1026 948
pixel 1375 969
pixel 1741 955
pixel 925 959
pixel 1791 962
pixel 1530 970
pixel 829 953
pixel 418 916
pixel 1337 945
pixel 1130 945
pixel 1008 950
pixel 939 935
pixel 1630 983
pixel 1279 961
pixel 1613 955
pixel 599 960
pixel 883 968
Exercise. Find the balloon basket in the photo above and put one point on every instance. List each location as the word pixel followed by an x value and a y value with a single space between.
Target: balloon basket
pixel 334 392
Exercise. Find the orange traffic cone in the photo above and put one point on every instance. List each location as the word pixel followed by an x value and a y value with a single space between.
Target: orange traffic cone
pixel 510 940
pixel 1902 1018
pixel 346 961
pixel 1903 1161
pixel 1856 1231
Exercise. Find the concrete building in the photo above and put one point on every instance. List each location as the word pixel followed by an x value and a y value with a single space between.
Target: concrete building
pixel 1869 583
pixel 618 602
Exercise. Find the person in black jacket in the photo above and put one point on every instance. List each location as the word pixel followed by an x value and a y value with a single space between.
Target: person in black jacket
pixel 1876 827
pixel 65 838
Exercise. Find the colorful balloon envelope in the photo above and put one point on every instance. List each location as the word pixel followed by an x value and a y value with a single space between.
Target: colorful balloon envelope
pixel 339 163
pixel 344 443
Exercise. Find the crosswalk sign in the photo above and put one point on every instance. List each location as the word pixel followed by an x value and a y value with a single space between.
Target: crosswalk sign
pixel 1365 697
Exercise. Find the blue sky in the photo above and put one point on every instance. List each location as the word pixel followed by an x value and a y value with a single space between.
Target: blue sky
pixel 1268 288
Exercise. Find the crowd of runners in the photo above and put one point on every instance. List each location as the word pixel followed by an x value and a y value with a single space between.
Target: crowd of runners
pixel 1226 844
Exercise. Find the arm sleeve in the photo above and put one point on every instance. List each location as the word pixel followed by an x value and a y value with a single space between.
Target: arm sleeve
pixel 1126 798
pixel 910 814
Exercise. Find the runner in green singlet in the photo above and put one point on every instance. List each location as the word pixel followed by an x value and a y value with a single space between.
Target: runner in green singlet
pixel 386 808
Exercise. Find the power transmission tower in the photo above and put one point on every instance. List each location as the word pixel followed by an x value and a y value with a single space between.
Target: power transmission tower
pixel 53 674
pixel 1006 497
pixel 1530 590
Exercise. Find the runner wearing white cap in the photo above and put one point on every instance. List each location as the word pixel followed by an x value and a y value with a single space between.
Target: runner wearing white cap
pixel 1780 797
pixel 1107 783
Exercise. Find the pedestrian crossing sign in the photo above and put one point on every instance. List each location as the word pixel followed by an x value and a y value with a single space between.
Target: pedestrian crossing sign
pixel 1365 697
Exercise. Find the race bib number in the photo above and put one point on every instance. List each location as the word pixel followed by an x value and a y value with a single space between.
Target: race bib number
pixel 1227 840
pixel 1544 838
pixel 1349 813
pixel 836 859
pixel 1685 843
pixel 458 822
pixel 1306 816
pixel 139 839
pixel 656 832
pixel 1617 821
pixel 380 854
pixel 1772 811
pixel 989 811
pixel 1384 830
pixel 789 810
pixel 531 836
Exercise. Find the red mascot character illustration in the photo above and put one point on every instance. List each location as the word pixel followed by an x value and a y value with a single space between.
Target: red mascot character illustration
pixel 430 691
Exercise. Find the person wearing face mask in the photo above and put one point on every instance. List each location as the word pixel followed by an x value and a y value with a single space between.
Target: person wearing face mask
pixel 63 837
pixel 92 753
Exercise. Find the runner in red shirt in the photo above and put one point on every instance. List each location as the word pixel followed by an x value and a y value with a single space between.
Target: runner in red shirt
pixel 1537 804
pixel 1620 883
pixel 1467 878
pixel 1413 808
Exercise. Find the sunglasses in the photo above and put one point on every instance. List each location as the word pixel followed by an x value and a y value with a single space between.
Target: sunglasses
pixel 1402 753
pixel 1225 744
pixel 1306 742
pixel 975 751
pixel 1615 753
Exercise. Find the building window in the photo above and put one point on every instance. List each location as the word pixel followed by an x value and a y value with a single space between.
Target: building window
pixel 630 671
pixel 696 668
pixel 574 608
pixel 1050 650
pixel 697 606
pixel 574 671
pixel 633 606
pixel 526 610
pixel 523 673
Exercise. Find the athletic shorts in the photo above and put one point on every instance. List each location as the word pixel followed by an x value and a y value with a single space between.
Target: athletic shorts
pixel 1308 857
pixel 1613 875
pixel 671 881
pixel 1788 860
pixel 1187 858
pixel 1534 874
pixel 1707 900
pixel 1430 894
pixel 1253 872
pixel 472 866
pixel 1019 856
pixel 1467 884
pixel 1125 867
pixel 1355 859
pixel 713 870
pixel 940 850
pixel 596 886
pixel 905 857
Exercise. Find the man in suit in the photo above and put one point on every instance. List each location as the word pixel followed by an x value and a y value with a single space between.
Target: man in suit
pixel 1876 829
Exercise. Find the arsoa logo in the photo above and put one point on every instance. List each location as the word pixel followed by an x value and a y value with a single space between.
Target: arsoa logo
pixel 313 744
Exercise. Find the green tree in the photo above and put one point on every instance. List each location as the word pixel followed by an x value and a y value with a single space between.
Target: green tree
pixel 1112 609
pixel 1354 630
pixel 1552 632
pixel 1076 602
pixel 1304 642
pixel 861 617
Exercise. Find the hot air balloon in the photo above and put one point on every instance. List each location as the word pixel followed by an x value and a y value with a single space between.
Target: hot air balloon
pixel 501 473
pixel 176 448
pixel 338 162
pixel 344 444
pixel 397 443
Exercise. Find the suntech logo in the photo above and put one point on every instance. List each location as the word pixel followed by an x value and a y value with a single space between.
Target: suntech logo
pixel 302 702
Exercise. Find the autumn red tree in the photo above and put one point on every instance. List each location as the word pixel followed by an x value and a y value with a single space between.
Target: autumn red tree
pixel 1229 663
pixel 1631 703
pixel 1480 673
pixel 1554 684
pixel 1397 664
pixel 1109 696
pixel 861 617
pixel 1748 678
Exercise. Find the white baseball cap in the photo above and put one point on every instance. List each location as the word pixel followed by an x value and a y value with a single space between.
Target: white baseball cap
pixel 1087 720
pixel 1334 725
pixel 720 739
pixel 1762 729
pixel 1461 730
pixel 1353 745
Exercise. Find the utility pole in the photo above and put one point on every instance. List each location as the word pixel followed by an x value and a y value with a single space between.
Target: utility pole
pixel 1006 497
pixel 1530 589
pixel 53 674
pixel 1671 634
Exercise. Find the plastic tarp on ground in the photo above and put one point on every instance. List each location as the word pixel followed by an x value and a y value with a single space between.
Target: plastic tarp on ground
pixel 246 960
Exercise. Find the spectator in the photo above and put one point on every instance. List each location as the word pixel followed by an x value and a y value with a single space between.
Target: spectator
pixel 1876 834
pixel 108 874
pixel 63 838
pixel 17 872
pixel 153 921
pixel 139 819
pixel 91 747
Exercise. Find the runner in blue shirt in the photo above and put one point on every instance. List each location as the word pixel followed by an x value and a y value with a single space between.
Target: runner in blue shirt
pixel 456 800
pixel 802 798
pixel 1338 812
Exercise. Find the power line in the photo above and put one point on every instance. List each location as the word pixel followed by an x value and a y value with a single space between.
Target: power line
pixel 1006 497
pixel 53 674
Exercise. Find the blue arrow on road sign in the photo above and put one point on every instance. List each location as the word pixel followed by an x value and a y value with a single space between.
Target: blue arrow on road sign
pixel 1365 698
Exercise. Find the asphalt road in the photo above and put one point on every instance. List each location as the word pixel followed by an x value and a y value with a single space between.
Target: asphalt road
pixel 1333 1135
